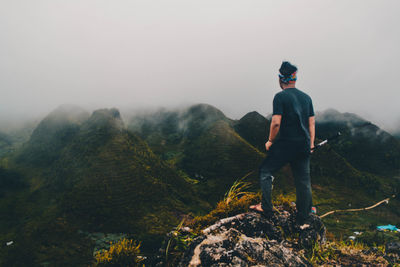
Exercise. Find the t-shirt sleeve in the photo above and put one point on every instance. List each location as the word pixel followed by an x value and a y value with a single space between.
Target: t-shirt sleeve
pixel 277 105
pixel 311 109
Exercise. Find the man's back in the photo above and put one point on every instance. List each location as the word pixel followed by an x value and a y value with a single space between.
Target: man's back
pixel 293 119
pixel 295 107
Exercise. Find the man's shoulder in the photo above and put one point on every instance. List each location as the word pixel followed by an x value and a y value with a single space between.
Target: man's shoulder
pixel 280 94
pixel 287 94
pixel 303 93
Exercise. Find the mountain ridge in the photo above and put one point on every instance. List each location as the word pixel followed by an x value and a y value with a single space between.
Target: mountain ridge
pixel 144 176
pixel 102 178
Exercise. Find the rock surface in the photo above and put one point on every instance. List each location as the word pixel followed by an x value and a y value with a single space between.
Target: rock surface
pixel 393 247
pixel 250 239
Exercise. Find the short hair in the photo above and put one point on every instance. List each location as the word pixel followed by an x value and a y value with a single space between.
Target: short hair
pixel 287 69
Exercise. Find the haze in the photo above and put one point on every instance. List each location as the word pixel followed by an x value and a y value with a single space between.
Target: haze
pixel 134 54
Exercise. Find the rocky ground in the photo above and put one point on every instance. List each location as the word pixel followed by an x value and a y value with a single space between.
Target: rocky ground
pixel 250 239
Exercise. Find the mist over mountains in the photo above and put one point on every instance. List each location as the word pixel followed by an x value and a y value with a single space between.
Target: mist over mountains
pixel 135 155
pixel 81 173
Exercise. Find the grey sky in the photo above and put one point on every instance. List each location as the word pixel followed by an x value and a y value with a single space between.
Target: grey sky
pixel 103 53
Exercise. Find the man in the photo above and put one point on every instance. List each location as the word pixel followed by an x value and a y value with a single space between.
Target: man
pixel 293 118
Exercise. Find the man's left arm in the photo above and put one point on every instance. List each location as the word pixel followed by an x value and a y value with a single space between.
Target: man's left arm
pixel 311 126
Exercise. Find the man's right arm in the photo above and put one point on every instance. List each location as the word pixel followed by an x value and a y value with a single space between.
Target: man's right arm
pixel 275 121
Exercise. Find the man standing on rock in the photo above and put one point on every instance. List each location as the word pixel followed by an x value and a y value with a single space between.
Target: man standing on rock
pixel 293 118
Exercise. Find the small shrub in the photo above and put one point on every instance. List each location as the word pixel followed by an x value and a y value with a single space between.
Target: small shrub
pixel 238 189
pixel 318 254
pixel 378 238
pixel 177 245
pixel 125 252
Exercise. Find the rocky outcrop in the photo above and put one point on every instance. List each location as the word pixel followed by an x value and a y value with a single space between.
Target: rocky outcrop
pixel 250 239
pixel 393 247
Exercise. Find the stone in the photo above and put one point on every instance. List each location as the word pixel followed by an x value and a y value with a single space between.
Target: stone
pixel 250 239
pixel 393 247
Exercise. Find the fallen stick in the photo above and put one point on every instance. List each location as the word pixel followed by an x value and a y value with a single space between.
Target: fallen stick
pixel 386 200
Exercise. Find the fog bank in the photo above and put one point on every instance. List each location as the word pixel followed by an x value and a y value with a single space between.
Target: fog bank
pixel 100 53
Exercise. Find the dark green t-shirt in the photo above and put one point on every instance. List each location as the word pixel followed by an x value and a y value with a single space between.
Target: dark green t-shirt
pixel 295 107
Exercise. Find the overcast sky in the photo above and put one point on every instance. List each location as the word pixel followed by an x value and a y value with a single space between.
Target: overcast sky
pixel 103 53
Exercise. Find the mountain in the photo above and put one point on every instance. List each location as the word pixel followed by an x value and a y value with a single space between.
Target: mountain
pixel 201 141
pixel 51 135
pixel 118 178
pixel 363 144
pixel 227 147
pixel 14 133
pixel 83 175
pixel 10 181
pixel 12 138
pixel 254 128
pixel 165 130
pixel 5 144
pixel 219 157
pixel 89 175
pixel 201 153
pixel 395 129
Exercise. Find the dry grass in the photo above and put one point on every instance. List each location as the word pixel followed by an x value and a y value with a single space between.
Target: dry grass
pixel 238 189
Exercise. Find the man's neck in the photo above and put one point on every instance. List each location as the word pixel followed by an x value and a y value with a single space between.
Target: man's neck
pixel 287 86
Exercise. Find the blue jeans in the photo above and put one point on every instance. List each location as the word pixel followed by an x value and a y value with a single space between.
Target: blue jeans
pixel 298 155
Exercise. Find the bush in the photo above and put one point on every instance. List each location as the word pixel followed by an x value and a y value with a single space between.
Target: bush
pixel 125 252
pixel 377 238
pixel 10 181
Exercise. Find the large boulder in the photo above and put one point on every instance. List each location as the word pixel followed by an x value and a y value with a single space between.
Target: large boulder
pixel 250 239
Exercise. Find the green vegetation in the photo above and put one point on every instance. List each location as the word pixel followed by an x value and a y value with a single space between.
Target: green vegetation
pixel 339 252
pixel 201 142
pixel 362 143
pixel 5 144
pixel 102 179
pixel 81 173
pixel 236 201
pixel 125 252
pixel 335 251
pixel 336 183
pixel 378 238
pixel 253 127
pixel 237 190
pixel 10 181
